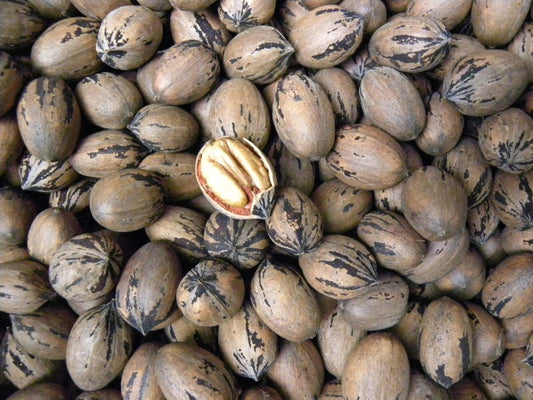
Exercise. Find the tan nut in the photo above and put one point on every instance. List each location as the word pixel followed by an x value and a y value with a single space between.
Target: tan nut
pixel 236 178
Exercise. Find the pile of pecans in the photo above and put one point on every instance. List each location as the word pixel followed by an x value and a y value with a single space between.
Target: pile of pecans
pixel 261 200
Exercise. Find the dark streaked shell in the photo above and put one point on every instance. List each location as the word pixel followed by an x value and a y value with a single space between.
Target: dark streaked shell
pixel 49 118
pixel 244 243
pixel 391 102
pixel 127 200
pixel 522 46
pixel 485 82
pixel 284 301
pixel 422 387
pixel 188 371
pixel 512 197
pixel 210 293
pixel 394 243
pixel 67 49
pixel 128 46
pixel 24 286
pixel 147 286
pixel 247 344
pixel 44 332
pixel 482 222
pixel 294 223
pixel 490 378
pixel 376 368
pixel 339 267
pixel 73 198
pixel 326 36
pixel 45 176
pixel 410 44
pixel 356 160
pixel 374 12
pixel 183 227
pixel 508 290
pixel 260 54
pixel 86 267
pixel 445 341
pixel 516 241
pixel 408 328
pixel 21 25
pixel 239 15
pixel 298 372
pixel 184 331
pixel 23 369
pixel 138 379
pixel 518 374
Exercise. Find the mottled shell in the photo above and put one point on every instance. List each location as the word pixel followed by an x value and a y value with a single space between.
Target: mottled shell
pixel 298 372
pixel 335 338
pixel 99 346
pixel 260 393
pixel 244 243
pixel 490 378
pixel 161 127
pixel 184 331
pixel 339 267
pixel 496 22
pixel 422 387
pixel 290 170
pixel 184 73
pixel 12 145
pixel 506 140
pixel 443 128
pixel 73 198
pixel 17 211
pixel 126 46
pixel 466 280
pixel 512 197
pixel 176 171
pixel 366 157
pixel 485 82
pixel 450 14
pixel 508 291
pixel 445 341
pixel 202 25
pixel 377 306
pixel 247 344
pixel 410 44
pixel 460 46
pixel 487 335
pixel 45 176
pixel 377 368
pixel 147 286
pixel 238 110
pixel 465 389
pixel 466 163
pixel 408 328
pixel 138 380
pixel 336 32
pixel 516 241
pixel 357 65
pixel 44 332
pixel 518 374
pixel 342 93
pixel 86 267
pixel 303 116
pixel 284 301
pixel 492 251
pixel 57 225
pixel 290 11
pixel 103 394
pixel 21 25
pixel 522 46
pixel 434 203
pixel 184 228
pixel 374 12
pixel 23 369
pixel 67 49
pixel 11 82
pixel 108 100
pixel 260 54
pixel 24 286
pixel 210 293
pixel 394 243
pixel 98 9
pixel 188 371
pixel 49 118
pixel 104 152
pixel 127 200
pixel 341 206
pixel 294 223
pixel 41 391
pixel 239 15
